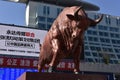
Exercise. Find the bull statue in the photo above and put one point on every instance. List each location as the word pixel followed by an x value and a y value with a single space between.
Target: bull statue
pixel 65 38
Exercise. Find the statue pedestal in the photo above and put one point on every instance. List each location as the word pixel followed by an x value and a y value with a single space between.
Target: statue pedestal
pixel 60 76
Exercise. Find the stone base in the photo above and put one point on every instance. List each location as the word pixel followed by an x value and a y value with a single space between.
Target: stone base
pixel 60 76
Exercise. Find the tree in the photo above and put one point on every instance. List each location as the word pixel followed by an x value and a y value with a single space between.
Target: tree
pixel 106 57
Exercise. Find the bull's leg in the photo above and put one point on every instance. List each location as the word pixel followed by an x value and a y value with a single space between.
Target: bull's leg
pixel 76 69
pixel 40 67
pixel 77 60
pixel 55 44
pixel 41 64
pixel 52 69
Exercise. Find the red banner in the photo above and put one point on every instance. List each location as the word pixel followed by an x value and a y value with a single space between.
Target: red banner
pixel 31 63
pixel 18 62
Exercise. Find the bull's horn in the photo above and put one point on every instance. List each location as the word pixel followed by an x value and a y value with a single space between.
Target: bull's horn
pixel 76 13
pixel 95 22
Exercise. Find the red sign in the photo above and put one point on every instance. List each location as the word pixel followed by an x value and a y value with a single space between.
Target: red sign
pixel 18 62
pixel 31 63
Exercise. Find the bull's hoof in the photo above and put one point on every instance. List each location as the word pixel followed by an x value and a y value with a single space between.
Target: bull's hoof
pixel 76 72
pixel 51 69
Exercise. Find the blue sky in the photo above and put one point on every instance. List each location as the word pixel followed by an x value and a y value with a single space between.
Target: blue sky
pixel 111 7
pixel 14 13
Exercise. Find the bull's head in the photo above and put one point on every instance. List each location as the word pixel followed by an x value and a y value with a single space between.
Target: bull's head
pixel 80 15
pixel 80 21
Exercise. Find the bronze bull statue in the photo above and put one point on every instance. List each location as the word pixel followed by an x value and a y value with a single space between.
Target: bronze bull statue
pixel 65 38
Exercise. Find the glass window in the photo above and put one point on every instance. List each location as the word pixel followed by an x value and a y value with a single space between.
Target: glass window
pixel 114 29
pixel 100 54
pixel 48 10
pixel 97 60
pixel 110 50
pixel 50 20
pixel 106 34
pixel 41 26
pixel 101 27
pixel 118 21
pixel 105 49
pixel 117 50
pixel 94 32
pixel 117 35
pixel 105 40
pixel 108 20
pixel 118 41
pixel 90 39
pixel 44 10
pixel 86 48
pixel 115 61
pixel 85 38
pixel 98 48
pixel 48 26
pixel 101 33
pixel 102 40
pixel 114 41
pixel 95 39
pixel 58 11
pixel 89 32
pixel 118 56
pixel 90 60
pixel 87 53
pixel 114 35
pixel 102 60
pixel 112 56
pixel 95 48
pixel 92 48
pixel 111 61
pixel 95 54
pixel 41 18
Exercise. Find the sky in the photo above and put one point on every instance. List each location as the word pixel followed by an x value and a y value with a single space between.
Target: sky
pixel 111 7
pixel 14 13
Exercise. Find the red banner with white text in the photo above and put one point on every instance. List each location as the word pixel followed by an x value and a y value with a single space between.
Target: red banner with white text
pixel 31 63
